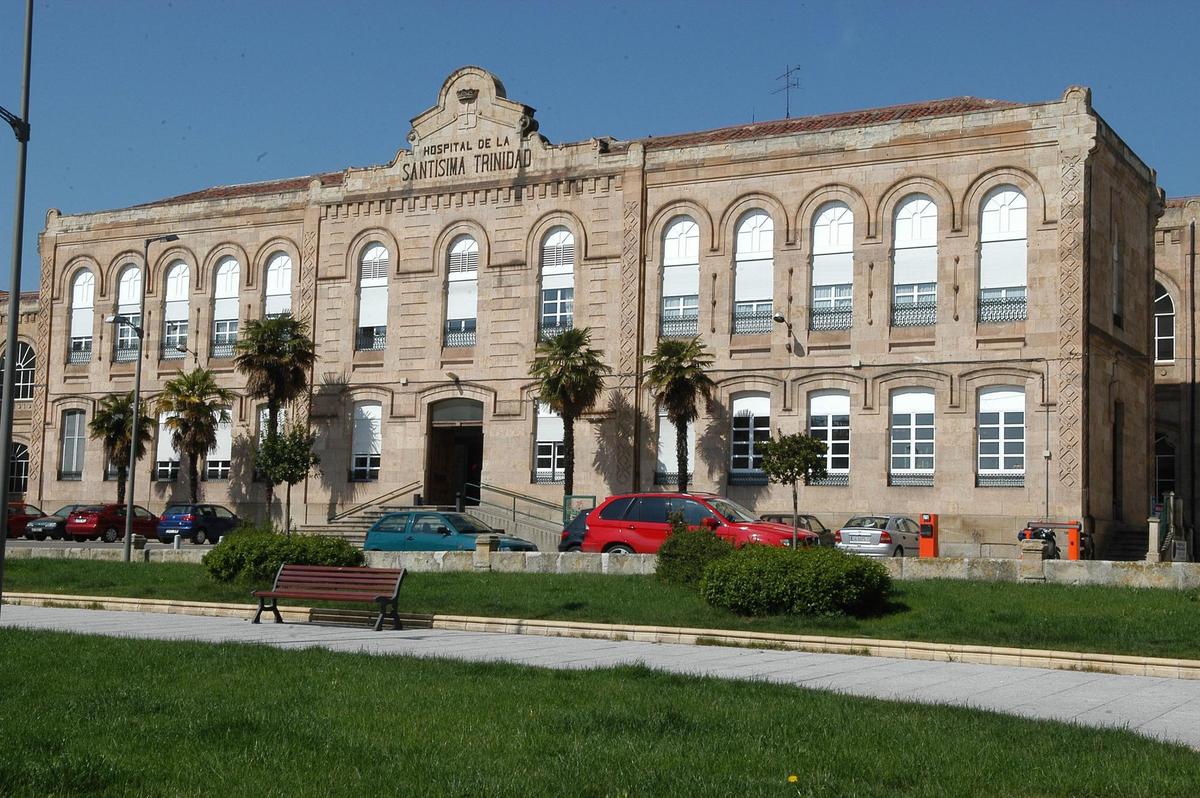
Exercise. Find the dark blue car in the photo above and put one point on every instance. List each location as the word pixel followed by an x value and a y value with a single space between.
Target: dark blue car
pixel 426 530
pixel 199 523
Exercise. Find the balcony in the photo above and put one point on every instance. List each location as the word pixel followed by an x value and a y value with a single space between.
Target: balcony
pixel 914 314
pixel 546 477
pixel 80 351
pixel 832 480
pixel 553 329
pixel 747 478
pixel 171 350
pixel 911 479
pixel 1004 309
pixel 370 339
pixel 999 480
pixel 457 334
pixel 679 327
pixel 125 351
pixel 754 323
pixel 830 318
pixel 670 477
pixel 222 347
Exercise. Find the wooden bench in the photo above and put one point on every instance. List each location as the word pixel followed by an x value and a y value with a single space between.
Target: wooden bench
pixel 327 583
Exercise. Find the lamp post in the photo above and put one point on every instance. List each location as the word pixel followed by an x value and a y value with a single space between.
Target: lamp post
pixel 140 331
pixel 20 128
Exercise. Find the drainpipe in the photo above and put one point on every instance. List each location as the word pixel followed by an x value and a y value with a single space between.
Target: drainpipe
pixel 1192 368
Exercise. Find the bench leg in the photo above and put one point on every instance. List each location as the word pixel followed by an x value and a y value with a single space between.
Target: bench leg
pixel 275 609
pixel 258 614
pixel 396 615
pixel 382 612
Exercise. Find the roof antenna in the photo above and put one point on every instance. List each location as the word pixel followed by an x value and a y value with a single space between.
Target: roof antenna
pixel 789 82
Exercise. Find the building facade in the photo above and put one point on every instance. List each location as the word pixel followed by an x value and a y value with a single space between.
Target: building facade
pixel 964 287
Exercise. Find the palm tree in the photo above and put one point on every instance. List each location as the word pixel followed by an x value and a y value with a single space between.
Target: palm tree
pixel 676 378
pixel 112 423
pixel 276 356
pixel 570 377
pixel 195 405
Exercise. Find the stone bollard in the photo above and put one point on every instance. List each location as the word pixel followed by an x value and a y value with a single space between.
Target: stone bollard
pixel 1152 552
pixel 139 542
pixel 484 546
pixel 175 544
pixel 1033 561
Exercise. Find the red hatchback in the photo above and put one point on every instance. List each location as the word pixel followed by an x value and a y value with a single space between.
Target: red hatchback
pixel 107 522
pixel 636 523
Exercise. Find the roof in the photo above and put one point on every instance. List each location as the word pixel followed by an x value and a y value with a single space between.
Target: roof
pixel 250 189
pixel 807 124
pixel 1181 202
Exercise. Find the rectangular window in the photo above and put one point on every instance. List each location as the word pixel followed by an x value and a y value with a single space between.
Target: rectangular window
pixel 224 337
pixel 459 332
pixel 680 316
pixel 549 455
pixel 1001 444
pixel 558 308
pixel 126 346
pixel 751 426
pixel 366 442
pixel 370 339
pixel 829 422
pixel 666 471
pixel 175 335
pixel 73 438
pixel 166 459
pixel 217 461
pixel 912 439
pixel 216 469
pixel 914 304
pixel 751 318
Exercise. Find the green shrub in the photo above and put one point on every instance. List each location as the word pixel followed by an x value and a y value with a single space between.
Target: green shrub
pixel 255 552
pixel 761 580
pixel 686 552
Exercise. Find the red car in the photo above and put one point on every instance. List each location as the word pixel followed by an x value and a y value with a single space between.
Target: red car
pixel 636 523
pixel 18 516
pixel 107 522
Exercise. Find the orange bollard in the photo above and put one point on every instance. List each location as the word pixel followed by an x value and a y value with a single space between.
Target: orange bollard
pixel 929 535
pixel 1074 540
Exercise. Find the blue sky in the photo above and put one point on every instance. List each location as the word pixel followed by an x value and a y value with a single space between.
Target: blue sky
pixel 134 101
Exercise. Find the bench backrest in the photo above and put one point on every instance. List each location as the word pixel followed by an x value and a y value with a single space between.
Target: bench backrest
pixel 333 579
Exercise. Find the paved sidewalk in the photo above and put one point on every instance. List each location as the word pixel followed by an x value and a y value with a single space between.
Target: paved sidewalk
pixel 1167 709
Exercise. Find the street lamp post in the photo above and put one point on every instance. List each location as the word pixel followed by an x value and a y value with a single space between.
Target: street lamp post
pixel 140 331
pixel 20 128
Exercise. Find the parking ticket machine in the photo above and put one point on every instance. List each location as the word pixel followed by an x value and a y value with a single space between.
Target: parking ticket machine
pixel 929 535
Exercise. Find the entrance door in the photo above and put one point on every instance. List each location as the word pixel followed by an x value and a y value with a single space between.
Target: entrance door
pixel 454 453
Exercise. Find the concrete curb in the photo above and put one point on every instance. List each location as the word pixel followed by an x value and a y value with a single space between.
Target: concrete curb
pixel 1122 664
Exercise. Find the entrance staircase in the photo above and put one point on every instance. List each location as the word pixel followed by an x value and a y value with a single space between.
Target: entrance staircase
pixel 1127 544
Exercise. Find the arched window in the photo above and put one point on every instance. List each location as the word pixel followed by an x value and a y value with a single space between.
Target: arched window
pixel 1164 466
pixel 833 268
pixel 218 460
pixel 751 426
pixel 1000 426
pixel 24 370
pixel 1003 255
pixel 367 442
pixel 753 280
pixel 549 457
pixel 666 470
pixel 372 297
pixel 680 279
pixel 129 305
pixel 912 426
pixel 74 434
pixel 829 422
pixel 175 313
pixel 18 468
pixel 914 264
pixel 462 292
pixel 279 284
pixel 1164 325
pixel 225 308
pixel 558 282
pixel 83 294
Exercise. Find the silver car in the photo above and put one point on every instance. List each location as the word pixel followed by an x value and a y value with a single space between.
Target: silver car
pixel 879 536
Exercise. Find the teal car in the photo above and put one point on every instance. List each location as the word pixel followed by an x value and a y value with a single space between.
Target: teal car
pixel 425 530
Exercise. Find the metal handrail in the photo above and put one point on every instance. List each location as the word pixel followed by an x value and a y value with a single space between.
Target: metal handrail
pixel 513 495
pixel 377 500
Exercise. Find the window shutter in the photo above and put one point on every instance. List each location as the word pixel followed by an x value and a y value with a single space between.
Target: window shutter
pixel 918 265
pixel 1002 264
pixel 176 311
pixel 833 269
pixel 681 280
pixel 462 300
pixel 753 281
pixel 372 306
pixel 224 448
pixel 165 450
pixel 829 404
pixel 81 323
pixel 225 309
pixel 668 462
pixel 368 429
pixel 549 425
pixel 558 281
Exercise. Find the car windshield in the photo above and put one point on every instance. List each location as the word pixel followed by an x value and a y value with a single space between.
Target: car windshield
pixel 868 522
pixel 733 511
pixel 467 525
pixel 63 512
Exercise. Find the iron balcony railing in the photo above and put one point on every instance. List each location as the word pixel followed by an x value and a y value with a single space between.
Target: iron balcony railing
pixel 458 338
pixel 830 318
pixel 546 477
pixel 911 479
pixel 1008 480
pixel 81 350
pixel 747 478
pixel 553 329
pixel 171 350
pixel 370 340
pixel 752 323
pixel 679 326
pixel 832 480
pixel 222 347
pixel 1002 310
pixel 670 477
pixel 914 314
pixel 125 351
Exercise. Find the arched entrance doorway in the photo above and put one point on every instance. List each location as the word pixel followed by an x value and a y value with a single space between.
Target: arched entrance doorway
pixel 454 451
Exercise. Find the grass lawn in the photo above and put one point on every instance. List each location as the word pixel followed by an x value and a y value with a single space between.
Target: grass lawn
pixel 236 720
pixel 1162 623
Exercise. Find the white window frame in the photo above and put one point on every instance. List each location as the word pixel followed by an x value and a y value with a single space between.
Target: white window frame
pixel 1163 319
pixel 549 454
pixel 366 441
pixel 83 302
pixel 24 371
pixel 277 297
pixel 828 416
pixel 74 437
pixel 912 434
pixel 176 310
pixel 372 296
pixel 556 309
pixel 665 471
pixel 217 463
pixel 754 268
pixel 166 459
pixel 1000 436
pixel 751 421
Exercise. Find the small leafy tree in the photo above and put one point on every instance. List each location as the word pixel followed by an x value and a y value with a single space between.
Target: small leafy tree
pixel 112 423
pixel 288 458
pixel 677 378
pixel 790 460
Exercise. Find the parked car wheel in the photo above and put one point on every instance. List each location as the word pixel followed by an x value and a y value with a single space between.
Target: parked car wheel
pixel 619 548
pixel 199 537
pixel 41 536
pixel 110 535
